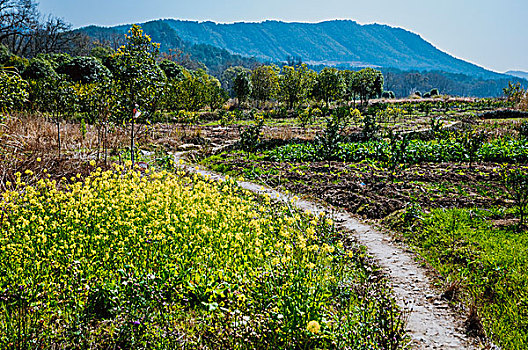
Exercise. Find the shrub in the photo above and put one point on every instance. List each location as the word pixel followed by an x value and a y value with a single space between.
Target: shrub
pixel 370 127
pixel 250 136
pixel 172 70
pixel 14 90
pixel 434 92
pixel 39 68
pixel 387 94
pixel 522 129
pixel 4 54
pixel 85 69
pixel 516 182
pixel 472 141
pixel 16 62
pixel 57 60
pixel 523 104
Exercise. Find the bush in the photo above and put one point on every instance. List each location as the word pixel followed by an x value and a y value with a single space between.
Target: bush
pixel 14 91
pixel 387 94
pixel 18 63
pixel 39 68
pixel 57 60
pixel 516 182
pixel 523 104
pixel 85 69
pixel 434 92
pixel 101 52
pixel 4 54
pixel 250 137
pixel 522 129
pixel 172 70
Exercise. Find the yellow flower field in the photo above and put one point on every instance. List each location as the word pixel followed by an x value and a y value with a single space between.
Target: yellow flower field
pixel 122 259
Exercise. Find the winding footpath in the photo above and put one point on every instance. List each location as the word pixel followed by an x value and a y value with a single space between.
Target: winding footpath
pixel 431 323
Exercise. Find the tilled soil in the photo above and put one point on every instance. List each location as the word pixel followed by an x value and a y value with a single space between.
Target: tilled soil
pixel 374 192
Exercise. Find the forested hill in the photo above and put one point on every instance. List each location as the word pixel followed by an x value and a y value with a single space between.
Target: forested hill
pixel 339 42
pixel 192 55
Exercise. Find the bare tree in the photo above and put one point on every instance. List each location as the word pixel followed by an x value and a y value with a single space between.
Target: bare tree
pixel 26 33
pixel 18 21
pixel 51 36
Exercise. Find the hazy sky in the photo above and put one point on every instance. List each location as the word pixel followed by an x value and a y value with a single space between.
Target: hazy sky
pixel 490 33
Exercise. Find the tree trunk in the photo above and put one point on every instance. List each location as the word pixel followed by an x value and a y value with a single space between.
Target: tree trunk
pixel 105 142
pixel 58 137
pixel 99 137
pixel 132 143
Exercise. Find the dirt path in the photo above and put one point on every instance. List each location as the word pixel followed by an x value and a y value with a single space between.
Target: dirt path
pixel 431 323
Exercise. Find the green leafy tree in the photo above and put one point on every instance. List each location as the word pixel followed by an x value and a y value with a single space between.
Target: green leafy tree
pixel 351 82
pixel 85 69
pixel 329 85
pixel 228 78
pixel 172 69
pixel 191 91
pixel 264 82
pixel 39 68
pixel 57 60
pixel 140 80
pixel 215 96
pixel 295 84
pixel 13 90
pixel 369 84
pixel 101 52
pixel 242 86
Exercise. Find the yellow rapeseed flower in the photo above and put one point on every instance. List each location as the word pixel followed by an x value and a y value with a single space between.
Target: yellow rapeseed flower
pixel 313 327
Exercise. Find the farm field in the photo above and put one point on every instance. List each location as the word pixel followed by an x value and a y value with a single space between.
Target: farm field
pixel 460 218
pixel 449 199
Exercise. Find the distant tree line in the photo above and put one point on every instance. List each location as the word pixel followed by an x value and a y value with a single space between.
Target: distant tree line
pixel 404 84
pixel 292 85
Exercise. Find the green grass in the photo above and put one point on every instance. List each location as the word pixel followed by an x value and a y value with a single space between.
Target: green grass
pixel 490 263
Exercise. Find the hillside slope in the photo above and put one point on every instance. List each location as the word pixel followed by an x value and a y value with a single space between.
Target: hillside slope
pixel 339 42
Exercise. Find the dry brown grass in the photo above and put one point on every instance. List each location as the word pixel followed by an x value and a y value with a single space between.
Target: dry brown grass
pixel 29 142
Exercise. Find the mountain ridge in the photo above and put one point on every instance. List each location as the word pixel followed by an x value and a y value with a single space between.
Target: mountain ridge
pixel 518 74
pixel 344 42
